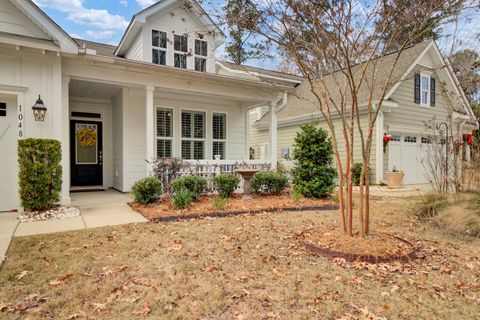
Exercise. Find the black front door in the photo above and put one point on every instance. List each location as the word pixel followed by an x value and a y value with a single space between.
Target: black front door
pixel 86 154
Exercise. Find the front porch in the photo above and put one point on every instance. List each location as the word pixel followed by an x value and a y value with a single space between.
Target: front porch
pixel 133 125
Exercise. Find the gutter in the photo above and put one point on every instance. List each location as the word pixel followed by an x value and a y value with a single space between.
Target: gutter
pixel 257 74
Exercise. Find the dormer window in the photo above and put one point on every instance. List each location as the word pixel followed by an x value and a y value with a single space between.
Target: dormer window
pixel 159 47
pixel 201 50
pixel 180 46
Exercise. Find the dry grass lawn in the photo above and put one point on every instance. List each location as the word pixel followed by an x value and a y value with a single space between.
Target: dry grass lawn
pixel 245 267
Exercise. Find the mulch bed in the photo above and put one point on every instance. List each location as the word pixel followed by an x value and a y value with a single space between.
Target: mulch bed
pixel 376 248
pixel 163 211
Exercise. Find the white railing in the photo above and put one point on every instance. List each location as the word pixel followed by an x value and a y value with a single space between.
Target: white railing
pixel 210 168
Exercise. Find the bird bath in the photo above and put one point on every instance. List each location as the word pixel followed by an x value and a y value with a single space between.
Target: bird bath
pixel 246 175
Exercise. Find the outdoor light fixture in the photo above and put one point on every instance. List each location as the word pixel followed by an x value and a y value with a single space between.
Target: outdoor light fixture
pixel 39 110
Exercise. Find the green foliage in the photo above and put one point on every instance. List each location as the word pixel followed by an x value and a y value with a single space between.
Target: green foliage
pixel 268 181
pixel 40 173
pixel 219 203
pixel 430 205
pixel 147 190
pixel 356 172
pixel 296 196
pixel 313 174
pixel 225 184
pixel 182 198
pixel 196 185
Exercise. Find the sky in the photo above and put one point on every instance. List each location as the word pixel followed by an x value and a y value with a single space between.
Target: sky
pixel 105 21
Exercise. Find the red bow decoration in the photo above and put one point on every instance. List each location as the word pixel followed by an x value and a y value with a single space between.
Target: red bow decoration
pixel 470 139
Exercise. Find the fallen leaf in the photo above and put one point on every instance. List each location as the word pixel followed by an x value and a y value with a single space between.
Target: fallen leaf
pixel 61 279
pixel 145 310
pixel 73 316
pixel 21 275
pixel 99 307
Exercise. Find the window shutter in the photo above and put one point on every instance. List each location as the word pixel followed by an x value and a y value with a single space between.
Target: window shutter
pixel 417 88
pixel 432 92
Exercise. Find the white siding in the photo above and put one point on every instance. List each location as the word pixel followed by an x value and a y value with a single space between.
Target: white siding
pixel 14 22
pixel 135 52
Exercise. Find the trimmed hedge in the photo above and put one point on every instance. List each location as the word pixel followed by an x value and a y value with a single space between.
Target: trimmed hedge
pixel 147 190
pixel 194 184
pixel 225 184
pixel 269 181
pixel 40 176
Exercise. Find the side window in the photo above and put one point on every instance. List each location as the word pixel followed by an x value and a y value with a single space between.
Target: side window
pixel 159 47
pixel 3 109
pixel 201 51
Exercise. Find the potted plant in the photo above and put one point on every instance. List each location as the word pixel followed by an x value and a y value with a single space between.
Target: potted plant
pixel 395 178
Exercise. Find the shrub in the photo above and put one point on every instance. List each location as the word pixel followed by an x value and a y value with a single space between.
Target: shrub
pixel 296 196
pixel 430 205
pixel 356 172
pixel 219 203
pixel 313 174
pixel 40 176
pixel 182 198
pixel 194 184
pixel 268 181
pixel 225 184
pixel 147 190
pixel 167 169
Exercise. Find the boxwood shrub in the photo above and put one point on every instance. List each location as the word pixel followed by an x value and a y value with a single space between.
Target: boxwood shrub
pixel 40 175
pixel 269 181
pixel 147 190
pixel 196 185
pixel 225 184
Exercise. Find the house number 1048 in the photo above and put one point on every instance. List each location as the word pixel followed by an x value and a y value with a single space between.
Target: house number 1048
pixel 21 132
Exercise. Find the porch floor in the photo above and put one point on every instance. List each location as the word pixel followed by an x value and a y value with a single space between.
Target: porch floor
pixel 97 209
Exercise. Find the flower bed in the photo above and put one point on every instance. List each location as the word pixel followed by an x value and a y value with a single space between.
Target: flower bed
pixel 163 210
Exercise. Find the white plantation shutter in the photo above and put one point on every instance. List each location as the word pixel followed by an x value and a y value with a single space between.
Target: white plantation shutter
pixel 164 132
pixel 193 135
pixel 219 134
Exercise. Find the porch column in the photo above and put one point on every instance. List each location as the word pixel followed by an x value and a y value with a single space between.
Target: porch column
pixel 61 131
pixel 247 135
pixel 273 134
pixel 149 132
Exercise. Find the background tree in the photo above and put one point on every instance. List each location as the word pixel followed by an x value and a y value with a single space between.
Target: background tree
pixel 242 44
pixel 323 36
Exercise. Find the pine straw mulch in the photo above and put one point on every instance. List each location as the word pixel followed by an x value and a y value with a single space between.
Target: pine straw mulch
pixel 163 210
pixel 376 248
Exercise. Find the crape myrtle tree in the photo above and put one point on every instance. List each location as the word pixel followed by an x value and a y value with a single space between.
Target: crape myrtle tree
pixel 341 48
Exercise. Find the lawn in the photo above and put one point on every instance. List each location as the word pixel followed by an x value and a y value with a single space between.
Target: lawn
pixel 243 267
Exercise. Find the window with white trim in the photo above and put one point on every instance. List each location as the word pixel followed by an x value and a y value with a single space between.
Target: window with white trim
pixel 219 134
pixel 396 138
pixel 193 135
pixel 201 50
pixel 180 47
pixel 410 139
pixel 426 140
pixel 159 47
pixel 164 132
pixel 425 89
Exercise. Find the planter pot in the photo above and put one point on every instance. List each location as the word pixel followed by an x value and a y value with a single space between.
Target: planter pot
pixel 395 179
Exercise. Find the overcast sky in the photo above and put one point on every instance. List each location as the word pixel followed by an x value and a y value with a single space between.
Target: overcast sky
pixel 106 20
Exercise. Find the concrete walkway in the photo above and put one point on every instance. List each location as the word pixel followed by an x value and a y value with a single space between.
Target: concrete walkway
pixel 97 209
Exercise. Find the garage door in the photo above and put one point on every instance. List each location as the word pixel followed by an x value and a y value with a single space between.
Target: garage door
pixel 8 156
pixel 407 153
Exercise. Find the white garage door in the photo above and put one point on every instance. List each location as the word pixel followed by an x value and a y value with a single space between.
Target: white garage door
pixel 407 153
pixel 8 155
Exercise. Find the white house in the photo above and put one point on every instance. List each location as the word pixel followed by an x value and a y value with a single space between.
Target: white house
pixel 160 92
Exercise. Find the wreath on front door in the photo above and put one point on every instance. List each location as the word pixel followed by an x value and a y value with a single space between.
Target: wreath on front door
pixel 87 136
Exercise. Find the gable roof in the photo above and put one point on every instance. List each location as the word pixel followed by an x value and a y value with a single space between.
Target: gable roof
pixel 139 19
pixel 303 102
pixel 46 24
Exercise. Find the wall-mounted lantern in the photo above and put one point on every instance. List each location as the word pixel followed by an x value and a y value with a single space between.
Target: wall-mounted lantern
pixel 39 110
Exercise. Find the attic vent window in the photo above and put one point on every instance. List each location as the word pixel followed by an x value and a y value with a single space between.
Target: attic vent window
pixel 201 49
pixel 159 47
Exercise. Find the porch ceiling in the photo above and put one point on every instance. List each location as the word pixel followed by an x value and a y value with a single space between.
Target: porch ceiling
pixel 89 89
